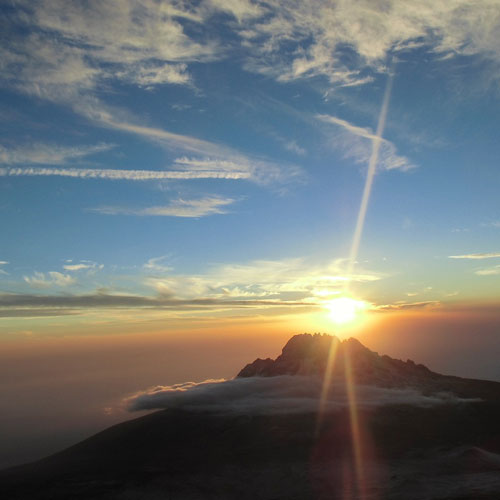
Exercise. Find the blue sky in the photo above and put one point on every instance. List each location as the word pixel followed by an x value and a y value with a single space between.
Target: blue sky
pixel 207 159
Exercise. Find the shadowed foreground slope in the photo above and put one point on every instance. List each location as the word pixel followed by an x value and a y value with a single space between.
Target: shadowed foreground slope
pixel 446 451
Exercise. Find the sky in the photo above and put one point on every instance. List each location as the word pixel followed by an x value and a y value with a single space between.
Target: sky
pixel 219 167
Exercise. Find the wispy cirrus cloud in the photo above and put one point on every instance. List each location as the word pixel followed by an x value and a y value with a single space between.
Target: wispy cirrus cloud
pixel 491 271
pixel 495 223
pixel 48 154
pixel 50 279
pixel 476 256
pixel 211 156
pixel 84 265
pixel 177 208
pixel 156 264
pixel 350 139
pixel 3 263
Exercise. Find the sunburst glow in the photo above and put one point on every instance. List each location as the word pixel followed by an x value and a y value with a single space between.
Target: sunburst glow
pixel 345 309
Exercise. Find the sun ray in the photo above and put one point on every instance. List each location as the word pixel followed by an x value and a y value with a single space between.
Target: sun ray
pixel 372 166
pixel 327 380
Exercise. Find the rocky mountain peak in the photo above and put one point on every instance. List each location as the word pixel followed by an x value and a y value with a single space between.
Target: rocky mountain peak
pixel 308 354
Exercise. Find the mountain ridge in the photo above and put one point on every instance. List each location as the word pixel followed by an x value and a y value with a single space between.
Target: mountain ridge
pixel 306 354
pixel 449 451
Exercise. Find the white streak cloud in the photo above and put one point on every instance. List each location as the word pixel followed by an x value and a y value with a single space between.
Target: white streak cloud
pixel 117 174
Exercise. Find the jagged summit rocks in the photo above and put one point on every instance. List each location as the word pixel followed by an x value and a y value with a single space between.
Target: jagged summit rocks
pixel 308 354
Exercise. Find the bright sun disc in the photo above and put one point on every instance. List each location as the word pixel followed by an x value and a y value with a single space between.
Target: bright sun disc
pixel 344 309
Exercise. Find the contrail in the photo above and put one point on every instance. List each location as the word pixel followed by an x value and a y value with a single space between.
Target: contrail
pixel 372 166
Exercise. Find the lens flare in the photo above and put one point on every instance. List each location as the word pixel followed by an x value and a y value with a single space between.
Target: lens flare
pixel 344 310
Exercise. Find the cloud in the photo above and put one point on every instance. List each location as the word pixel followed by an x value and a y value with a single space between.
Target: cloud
pixel 242 10
pixel 492 271
pixel 76 47
pixel 293 147
pixel 116 174
pixel 495 223
pixel 272 287
pixel 16 304
pixel 287 279
pixel 478 256
pixel 149 75
pixel 177 208
pixel 349 41
pixel 3 263
pixel 36 312
pixel 348 141
pixel 404 306
pixel 83 265
pixel 214 160
pixel 73 48
pixel 353 129
pixel 48 154
pixel 155 264
pixel 275 395
pixel 232 163
pixel 223 163
pixel 52 278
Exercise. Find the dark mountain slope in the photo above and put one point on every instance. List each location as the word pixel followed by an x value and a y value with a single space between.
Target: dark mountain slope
pixel 450 451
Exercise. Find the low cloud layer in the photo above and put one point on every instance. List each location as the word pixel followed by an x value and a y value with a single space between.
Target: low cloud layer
pixel 274 395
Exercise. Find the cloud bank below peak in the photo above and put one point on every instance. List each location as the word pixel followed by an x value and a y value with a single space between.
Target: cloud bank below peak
pixel 283 394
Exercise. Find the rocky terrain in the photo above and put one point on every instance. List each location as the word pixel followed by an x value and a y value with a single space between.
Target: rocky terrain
pixel 308 355
pixel 447 451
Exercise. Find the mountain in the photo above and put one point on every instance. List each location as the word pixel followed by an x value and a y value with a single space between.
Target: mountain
pixel 449 450
pixel 308 355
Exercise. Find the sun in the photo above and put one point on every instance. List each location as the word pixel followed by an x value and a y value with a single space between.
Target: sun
pixel 344 309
